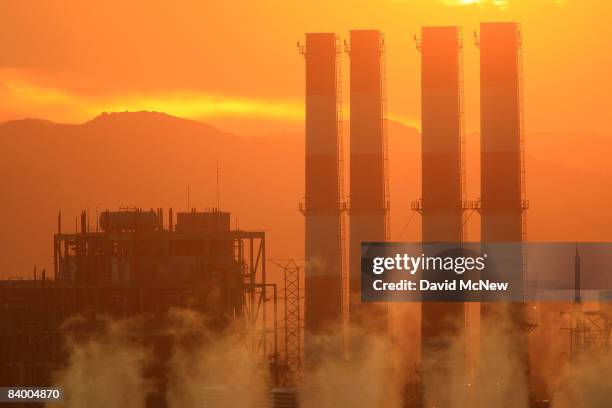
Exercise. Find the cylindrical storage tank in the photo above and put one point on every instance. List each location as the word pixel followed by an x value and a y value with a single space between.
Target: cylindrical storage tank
pixel 133 220
pixel 283 398
pixel 217 396
pixel 208 221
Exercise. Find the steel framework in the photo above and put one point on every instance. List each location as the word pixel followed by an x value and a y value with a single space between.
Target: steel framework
pixel 293 324
pixel 117 274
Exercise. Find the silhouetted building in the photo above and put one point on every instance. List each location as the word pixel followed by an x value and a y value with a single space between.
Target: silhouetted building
pixel 134 266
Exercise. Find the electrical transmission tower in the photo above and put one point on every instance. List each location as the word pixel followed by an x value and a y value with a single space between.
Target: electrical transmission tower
pixel 293 298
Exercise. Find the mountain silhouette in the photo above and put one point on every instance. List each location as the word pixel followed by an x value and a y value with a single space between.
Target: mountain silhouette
pixel 148 159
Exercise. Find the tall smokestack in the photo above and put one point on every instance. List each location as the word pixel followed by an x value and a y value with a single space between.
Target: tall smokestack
pixel 502 181
pixel 323 200
pixel 577 278
pixel 442 323
pixel 369 202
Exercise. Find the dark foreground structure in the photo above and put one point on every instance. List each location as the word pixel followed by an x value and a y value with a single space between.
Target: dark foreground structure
pixel 134 265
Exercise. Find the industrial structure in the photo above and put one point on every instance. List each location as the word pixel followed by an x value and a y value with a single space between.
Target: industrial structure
pixel 323 203
pixel 503 197
pixel 369 190
pixel 135 265
pixel 590 329
pixel 293 297
pixel 442 323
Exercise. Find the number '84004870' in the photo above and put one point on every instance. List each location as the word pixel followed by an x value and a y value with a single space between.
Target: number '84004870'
pixel 39 393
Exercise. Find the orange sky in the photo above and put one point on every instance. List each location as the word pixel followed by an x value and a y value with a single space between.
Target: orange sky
pixel 218 61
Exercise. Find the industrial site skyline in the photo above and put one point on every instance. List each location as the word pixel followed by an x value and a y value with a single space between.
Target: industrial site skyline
pixel 399 203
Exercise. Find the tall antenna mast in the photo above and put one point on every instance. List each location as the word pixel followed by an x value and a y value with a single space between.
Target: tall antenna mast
pixel 218 194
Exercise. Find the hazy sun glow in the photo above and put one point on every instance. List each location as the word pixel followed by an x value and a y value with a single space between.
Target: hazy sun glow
pixel 497 3
pixel 250 75
pixel 501 4
pixel 71 107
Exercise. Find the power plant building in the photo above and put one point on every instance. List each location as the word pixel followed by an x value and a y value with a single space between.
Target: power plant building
pixel 135 265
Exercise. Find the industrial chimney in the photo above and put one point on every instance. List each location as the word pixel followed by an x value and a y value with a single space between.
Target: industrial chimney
pixel 369 195
pixel 323 202
pixel 503 201
pixel 442 323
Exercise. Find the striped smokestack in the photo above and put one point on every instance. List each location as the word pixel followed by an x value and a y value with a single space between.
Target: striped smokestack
pixel 443 323
pixel 369 202
pixel 323 200
pixel 503 194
